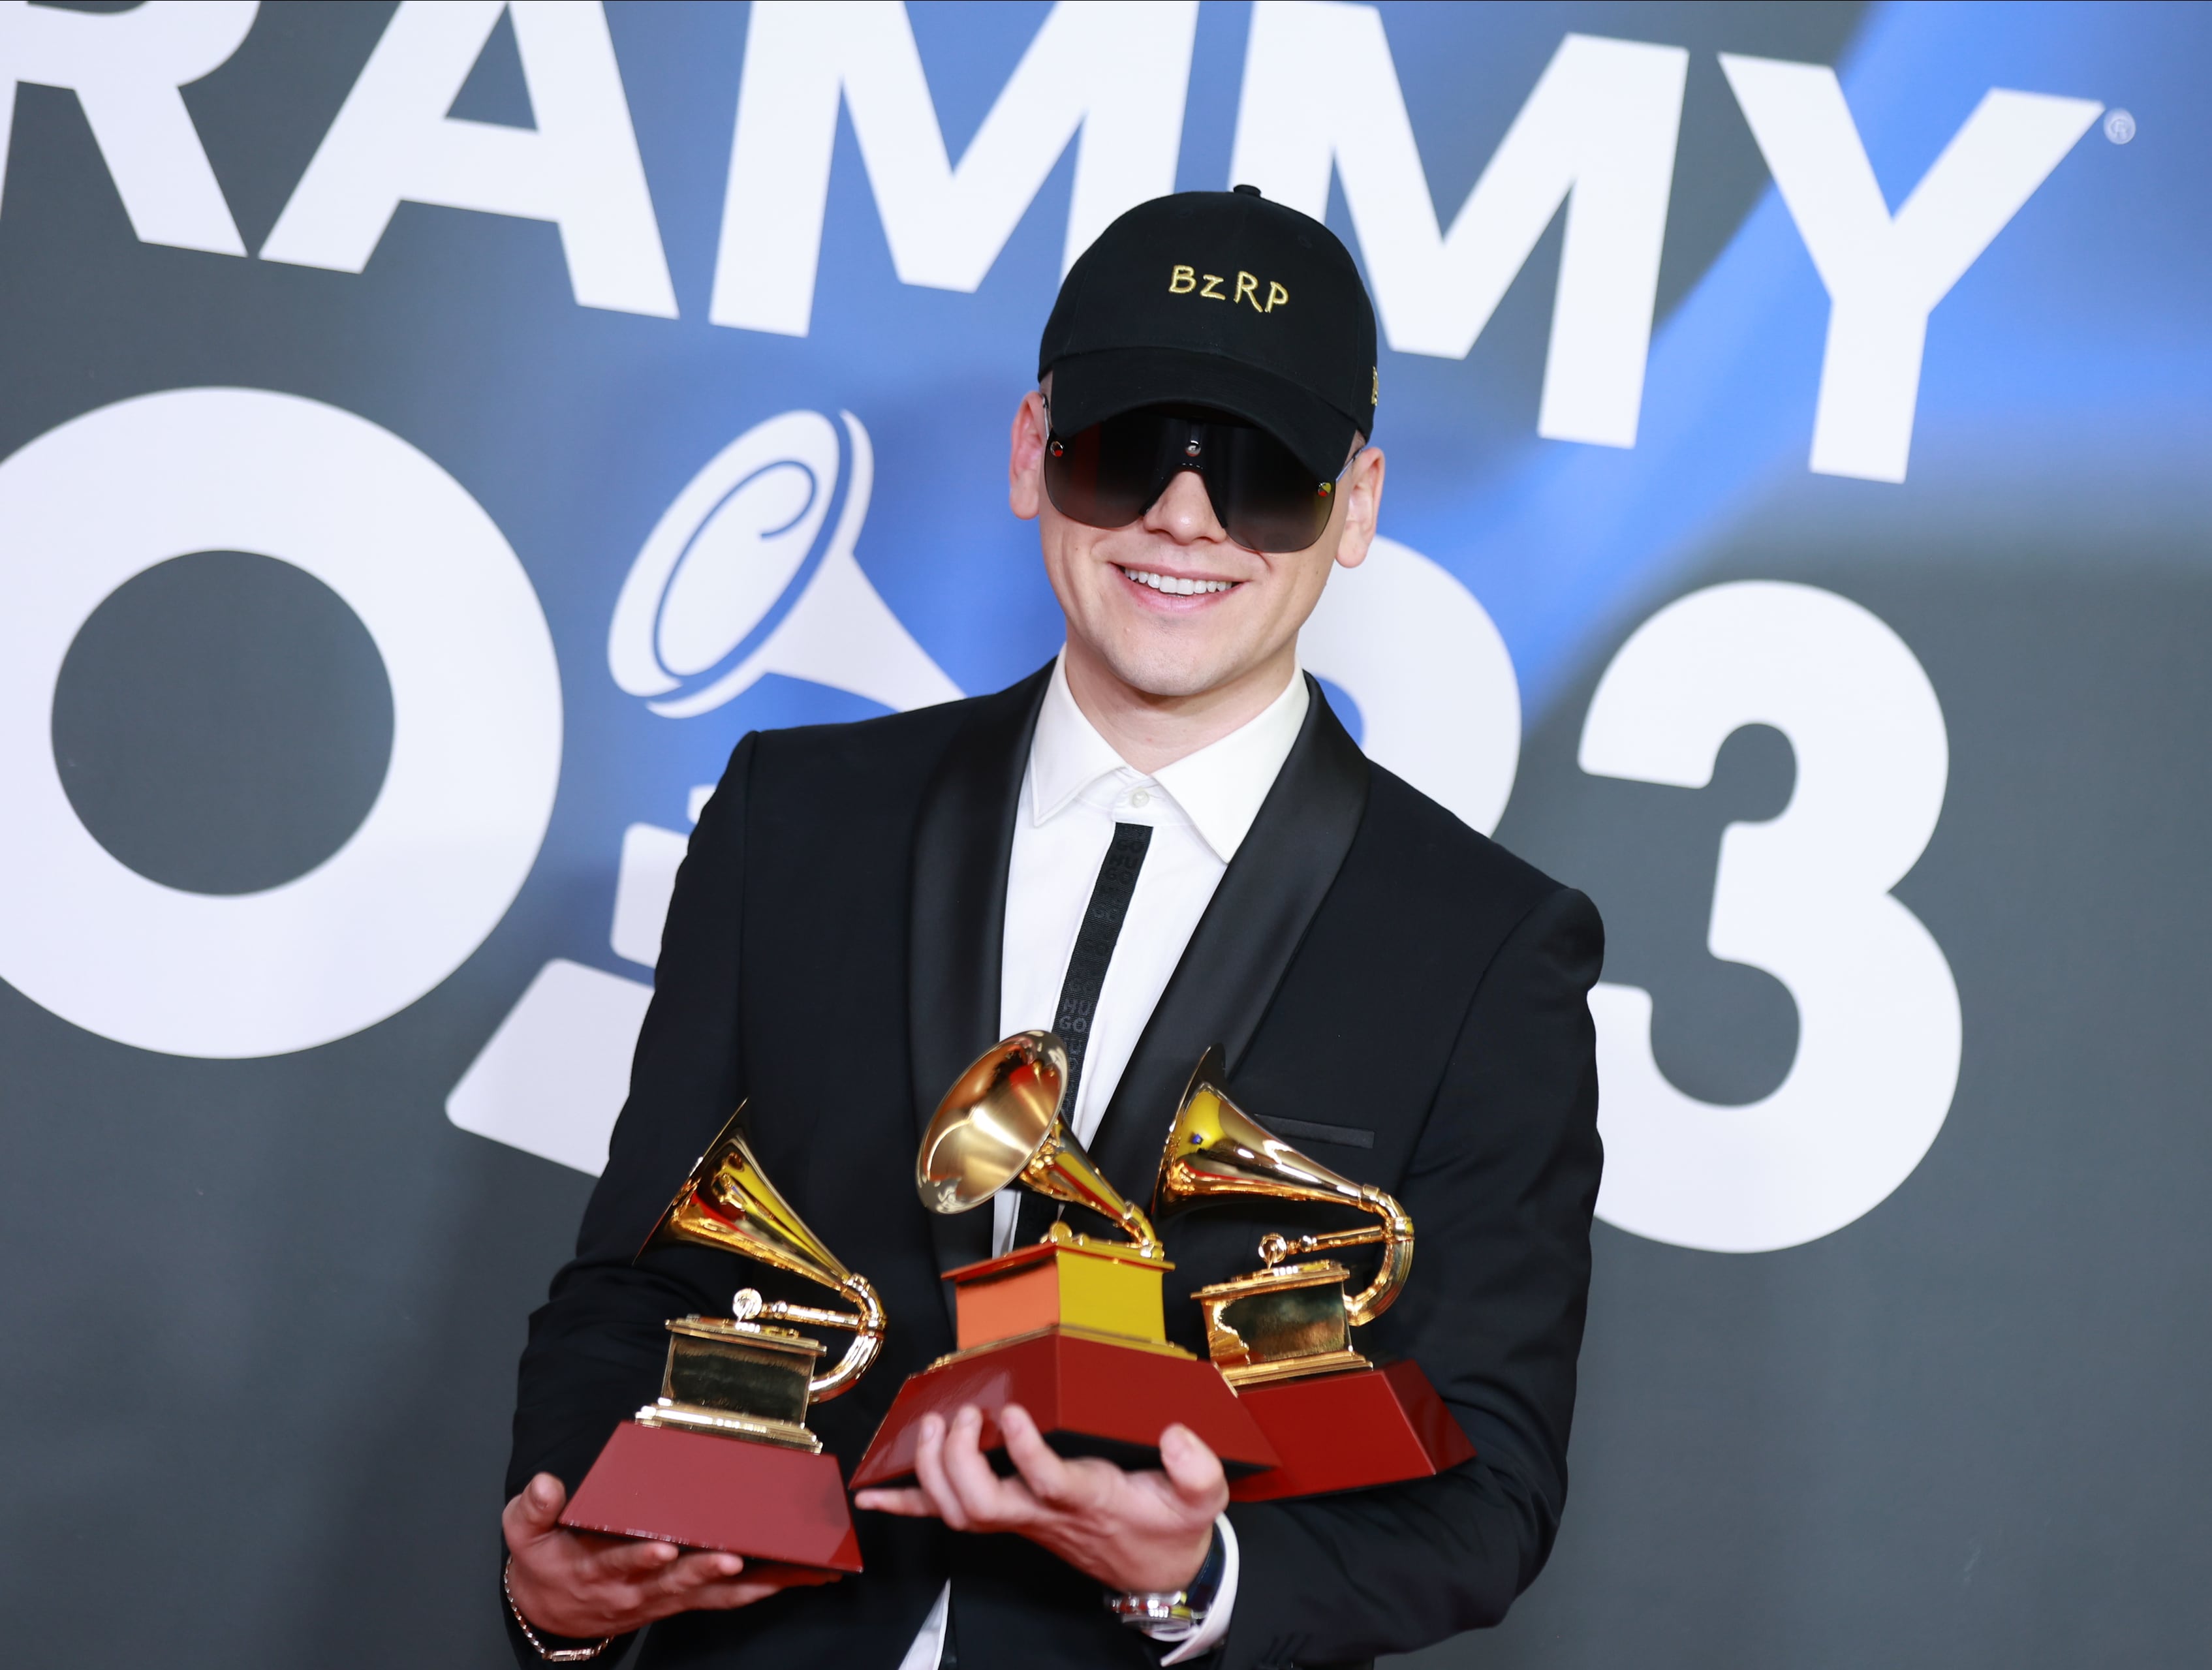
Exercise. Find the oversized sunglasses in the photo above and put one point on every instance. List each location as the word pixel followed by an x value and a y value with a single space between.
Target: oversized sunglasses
pixel 1110 474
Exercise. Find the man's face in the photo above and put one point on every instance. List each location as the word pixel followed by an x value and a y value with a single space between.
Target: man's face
pixel 1170 603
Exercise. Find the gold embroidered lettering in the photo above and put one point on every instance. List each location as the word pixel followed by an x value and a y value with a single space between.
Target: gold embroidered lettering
pixel 1212 290
pixel 1275 292
pixel 1248 289
pixel 1181 280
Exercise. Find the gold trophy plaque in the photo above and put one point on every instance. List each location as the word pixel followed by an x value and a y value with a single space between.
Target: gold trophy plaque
pixel 1071 1327
pixel 1281 1335
pixel 722 1458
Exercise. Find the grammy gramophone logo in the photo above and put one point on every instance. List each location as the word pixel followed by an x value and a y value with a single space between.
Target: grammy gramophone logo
pixel 751 571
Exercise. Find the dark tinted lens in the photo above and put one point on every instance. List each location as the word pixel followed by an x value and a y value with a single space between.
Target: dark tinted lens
pixel 1107 476
pixel 1266 499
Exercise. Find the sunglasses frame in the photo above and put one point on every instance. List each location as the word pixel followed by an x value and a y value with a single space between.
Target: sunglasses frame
pixel 1196 461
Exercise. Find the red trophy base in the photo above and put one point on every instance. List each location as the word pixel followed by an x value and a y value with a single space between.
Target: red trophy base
pixel 1088 1396
pixel 1345 1432
pixel 764 1501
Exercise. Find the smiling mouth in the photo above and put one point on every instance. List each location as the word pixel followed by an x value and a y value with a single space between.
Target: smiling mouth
pixel 1175 587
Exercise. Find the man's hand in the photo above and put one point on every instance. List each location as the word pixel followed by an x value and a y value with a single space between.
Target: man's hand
pixel 573 1584
pixel 1143 1531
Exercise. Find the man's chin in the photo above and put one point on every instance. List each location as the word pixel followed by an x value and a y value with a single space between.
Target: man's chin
pixel 1168 675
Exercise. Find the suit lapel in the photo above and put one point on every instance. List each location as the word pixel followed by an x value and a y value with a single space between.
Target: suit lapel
pixel 963 839
pixel 1244 944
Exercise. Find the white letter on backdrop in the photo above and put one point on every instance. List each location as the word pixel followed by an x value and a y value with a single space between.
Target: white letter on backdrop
pixel 1805 896
pixel 1885 276
pixel 1597 133
pixel 1117 72
pixel 126 70
pixel 1430 673
pixel 394 142
pixel 475 723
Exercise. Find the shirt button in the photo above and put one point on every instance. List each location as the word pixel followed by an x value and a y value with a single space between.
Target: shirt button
pixel 1142 797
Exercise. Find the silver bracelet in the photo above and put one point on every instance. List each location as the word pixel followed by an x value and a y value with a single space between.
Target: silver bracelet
pixel 550 1655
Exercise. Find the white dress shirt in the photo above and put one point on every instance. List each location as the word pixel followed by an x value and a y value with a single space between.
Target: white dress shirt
pixel 1075 790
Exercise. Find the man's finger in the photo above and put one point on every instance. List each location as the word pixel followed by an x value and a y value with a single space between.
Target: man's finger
pixel 929 1472
pixel 1194 1470
pixel 536 1510
pixel 1050 1478
pixel 633 1559
pixel 986 1499
pixel 908 1504
pixel 542 1499
pixel 721 1596
pixel 695 1571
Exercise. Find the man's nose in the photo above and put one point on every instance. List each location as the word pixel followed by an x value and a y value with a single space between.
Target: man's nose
pixel 1184 513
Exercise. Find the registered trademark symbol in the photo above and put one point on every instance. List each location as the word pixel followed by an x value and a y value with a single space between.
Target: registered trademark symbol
pixel 2119 126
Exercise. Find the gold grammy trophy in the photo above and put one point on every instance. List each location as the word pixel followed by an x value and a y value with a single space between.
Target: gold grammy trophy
pixel 1281 1336
pixel 1071 1327
pixel 722 1458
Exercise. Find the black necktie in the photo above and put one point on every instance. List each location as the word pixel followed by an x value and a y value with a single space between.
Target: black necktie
pixel 1086 974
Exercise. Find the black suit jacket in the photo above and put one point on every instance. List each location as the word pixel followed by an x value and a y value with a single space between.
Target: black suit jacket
pixel 1403 997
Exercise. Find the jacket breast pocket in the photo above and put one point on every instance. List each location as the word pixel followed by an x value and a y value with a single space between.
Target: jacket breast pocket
pixel 1305 1129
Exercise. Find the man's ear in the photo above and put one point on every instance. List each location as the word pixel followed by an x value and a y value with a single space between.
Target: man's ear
pixel 1025 459
pixel 1361 496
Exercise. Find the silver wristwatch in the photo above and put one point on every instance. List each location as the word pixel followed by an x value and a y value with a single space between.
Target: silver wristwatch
pixel 1138 1607
pixel 1172 1614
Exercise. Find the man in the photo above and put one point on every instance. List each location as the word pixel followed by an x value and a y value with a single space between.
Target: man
pixel 1164 841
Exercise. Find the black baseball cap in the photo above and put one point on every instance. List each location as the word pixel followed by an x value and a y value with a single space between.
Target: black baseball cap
pixel 1224 300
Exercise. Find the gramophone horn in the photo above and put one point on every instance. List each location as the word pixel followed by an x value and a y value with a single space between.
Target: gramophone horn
pixel 1216 1150
pixel 728 1202
pixel 1000 1123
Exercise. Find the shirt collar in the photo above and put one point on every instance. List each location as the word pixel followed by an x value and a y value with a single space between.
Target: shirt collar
pixel 1220 787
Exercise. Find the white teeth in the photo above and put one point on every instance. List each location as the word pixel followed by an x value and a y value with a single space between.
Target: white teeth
pixel 1176 586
